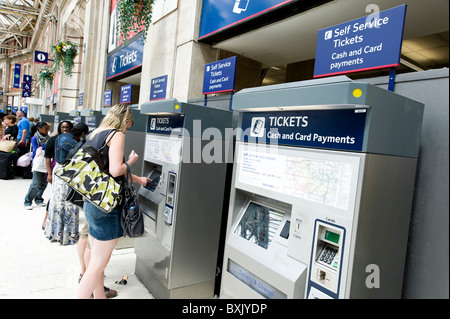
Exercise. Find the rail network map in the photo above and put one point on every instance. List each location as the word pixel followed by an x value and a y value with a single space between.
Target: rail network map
pixel 322 181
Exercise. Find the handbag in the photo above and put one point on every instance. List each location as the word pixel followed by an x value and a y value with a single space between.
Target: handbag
pixel 39 161
pixel 24 160
pixel 86 173
pixel 7 145
pixel 132 220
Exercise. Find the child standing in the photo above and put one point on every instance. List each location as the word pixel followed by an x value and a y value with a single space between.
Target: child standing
pixel 39 181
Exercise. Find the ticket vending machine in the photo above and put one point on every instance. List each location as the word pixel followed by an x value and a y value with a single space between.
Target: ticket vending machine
pixel 61 116
pixel 322 191
pixel 76 115
pixel 92 118
pixel 186 151
pixel 49 119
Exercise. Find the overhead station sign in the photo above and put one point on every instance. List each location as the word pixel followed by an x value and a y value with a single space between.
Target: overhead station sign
pixel 221 15
pixel 125 59
pixel 219 76
pixel 367 43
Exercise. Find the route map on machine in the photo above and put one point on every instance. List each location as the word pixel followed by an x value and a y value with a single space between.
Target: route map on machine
pixel 322 181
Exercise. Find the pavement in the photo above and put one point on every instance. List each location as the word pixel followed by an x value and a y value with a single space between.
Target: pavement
pixel 32 267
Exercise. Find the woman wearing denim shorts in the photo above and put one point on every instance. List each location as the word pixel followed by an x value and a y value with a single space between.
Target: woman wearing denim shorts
pixel 105 228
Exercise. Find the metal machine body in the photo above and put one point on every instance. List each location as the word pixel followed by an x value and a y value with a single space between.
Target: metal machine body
pixel 49 119
pixel 91 118
pixel 177 256
pixel 61 116
pixel 322 191
pixel 77 118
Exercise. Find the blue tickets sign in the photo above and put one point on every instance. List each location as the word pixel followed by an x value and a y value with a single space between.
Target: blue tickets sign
pixel 125 93
pixel 126 59
pixel 367 43
pixel 16 76
pixel 219 76
pixel 220 15
pixel 331 129
pixel 107 98
pixel 166 124
pixel 158 88
pixel 81 99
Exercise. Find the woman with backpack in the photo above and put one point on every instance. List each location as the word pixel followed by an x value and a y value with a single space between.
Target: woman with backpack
pixel 63 217
pixel 63 127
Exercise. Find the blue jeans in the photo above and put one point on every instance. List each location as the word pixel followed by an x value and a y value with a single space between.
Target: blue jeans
pixel 37 188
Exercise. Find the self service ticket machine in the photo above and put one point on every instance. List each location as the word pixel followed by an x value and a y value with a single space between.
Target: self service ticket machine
pixel 185 152
pixel 61 116
pixel 322 191
pixel 49 119
pixel 76 115
pixel 91 118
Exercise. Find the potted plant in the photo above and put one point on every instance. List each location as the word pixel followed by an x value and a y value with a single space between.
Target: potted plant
pixel 65 53
pixel 134 16
pixel 46 75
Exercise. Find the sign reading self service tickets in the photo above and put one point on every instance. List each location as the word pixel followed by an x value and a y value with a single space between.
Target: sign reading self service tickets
pixel 367 43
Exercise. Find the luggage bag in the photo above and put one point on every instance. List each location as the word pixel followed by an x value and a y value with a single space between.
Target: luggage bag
pixel 7 165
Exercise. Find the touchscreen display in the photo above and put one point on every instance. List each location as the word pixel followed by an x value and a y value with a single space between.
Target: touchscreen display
pixel 155 176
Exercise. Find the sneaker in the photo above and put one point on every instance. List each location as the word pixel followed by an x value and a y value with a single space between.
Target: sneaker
pixel 28 207
pixel 110 293
pixel 41 204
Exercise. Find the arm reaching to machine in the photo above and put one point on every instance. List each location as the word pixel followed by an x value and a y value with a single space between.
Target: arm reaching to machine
pixel 116 166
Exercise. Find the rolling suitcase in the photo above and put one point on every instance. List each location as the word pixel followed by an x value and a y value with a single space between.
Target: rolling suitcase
pixel 7 165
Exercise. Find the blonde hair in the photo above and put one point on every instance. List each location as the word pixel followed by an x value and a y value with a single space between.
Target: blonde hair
pixel 117 117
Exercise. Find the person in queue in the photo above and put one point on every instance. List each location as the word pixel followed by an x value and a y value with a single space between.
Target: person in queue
pixel 11 129
pixel 23 136
pixel 105 228
pixel 63 127
pixel 62 222
pixel 39 180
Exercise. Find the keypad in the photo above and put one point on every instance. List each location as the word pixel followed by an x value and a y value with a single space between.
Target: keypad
pixel 328 257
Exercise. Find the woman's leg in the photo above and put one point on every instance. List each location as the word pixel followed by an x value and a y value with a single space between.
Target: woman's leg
pixel 93 279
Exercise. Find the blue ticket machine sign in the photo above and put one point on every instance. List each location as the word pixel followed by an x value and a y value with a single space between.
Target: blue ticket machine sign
pixel 367 43
pixel 219 76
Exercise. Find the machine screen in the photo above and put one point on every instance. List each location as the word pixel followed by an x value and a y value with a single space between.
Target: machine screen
pixel 333 237
pixel 259 224
pixel 155 176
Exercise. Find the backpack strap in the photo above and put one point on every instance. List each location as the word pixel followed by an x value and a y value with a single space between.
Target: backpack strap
pixel 105 142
